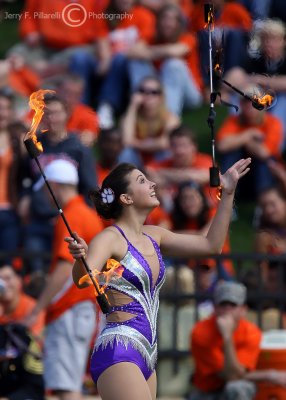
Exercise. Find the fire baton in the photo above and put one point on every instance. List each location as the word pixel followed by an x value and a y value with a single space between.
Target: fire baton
pixel 214 170
pixel 34 149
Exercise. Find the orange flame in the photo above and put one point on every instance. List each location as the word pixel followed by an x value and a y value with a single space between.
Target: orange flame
pixel 113 268
pixel 265 100
pixel 219 193
pixel 210 22
pixel 37 104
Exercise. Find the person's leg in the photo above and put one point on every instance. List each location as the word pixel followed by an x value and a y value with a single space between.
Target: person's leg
pixel 179 85
pixel 137 71
pixel 239 390
pixel 229 158
pixel 84 64
pixel 9 232
pixel 114 83
pixel 263 177
pixel 152 383
pixel 123 381
pixel 132 156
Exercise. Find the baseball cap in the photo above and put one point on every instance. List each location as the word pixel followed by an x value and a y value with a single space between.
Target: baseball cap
pixel 230 291
pixel 59 171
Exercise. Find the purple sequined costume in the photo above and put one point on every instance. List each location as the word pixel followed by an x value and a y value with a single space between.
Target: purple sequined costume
pixel 134 340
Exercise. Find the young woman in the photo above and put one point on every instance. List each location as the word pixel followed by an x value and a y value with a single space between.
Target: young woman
pixel 124 359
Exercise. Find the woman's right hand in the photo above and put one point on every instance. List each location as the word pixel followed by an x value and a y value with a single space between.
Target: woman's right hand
pixel 77 246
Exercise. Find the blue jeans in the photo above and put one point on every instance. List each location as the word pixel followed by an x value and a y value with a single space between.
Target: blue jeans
pixel 179 85
pixel 9 233
pixel 113 87
pixel 38 238
pixel 260 173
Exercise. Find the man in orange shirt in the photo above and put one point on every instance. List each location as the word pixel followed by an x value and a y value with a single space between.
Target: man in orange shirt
pixel 70 312
pixel 225 348
pixel 252 133
pixel 21 372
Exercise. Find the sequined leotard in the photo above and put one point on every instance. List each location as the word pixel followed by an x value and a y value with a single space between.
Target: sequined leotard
pixel 134 340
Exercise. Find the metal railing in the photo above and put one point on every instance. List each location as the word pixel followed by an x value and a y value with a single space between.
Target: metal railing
pixel 180 305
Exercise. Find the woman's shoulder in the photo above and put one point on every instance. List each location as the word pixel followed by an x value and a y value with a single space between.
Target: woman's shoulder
pixel 155 232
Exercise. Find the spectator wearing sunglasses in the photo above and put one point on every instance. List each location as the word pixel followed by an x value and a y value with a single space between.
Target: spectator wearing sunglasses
pixel 147 124
pixel 173 55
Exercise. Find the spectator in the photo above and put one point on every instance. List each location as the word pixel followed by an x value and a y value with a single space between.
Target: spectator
pixel 270 239
pixel 185 163
pixel 10 159
pixel 193 214
pixel 21 370
pixel 47 43
pixel 147 124
pixel 82 119
pixel 267 66
pixel 232 24
pixel 255 134
pixel 58 143
pixel 225 348
pixel 174 54
pixel 70 312
pixel 109 147
pixel 116 40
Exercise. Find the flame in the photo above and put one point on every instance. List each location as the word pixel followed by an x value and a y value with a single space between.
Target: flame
pixel 113 269
pixel 37 104
pixel 219 193
pixel 265 101
pixel 210 22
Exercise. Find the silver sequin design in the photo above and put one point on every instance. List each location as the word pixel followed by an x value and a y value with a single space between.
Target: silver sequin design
pixel 122 332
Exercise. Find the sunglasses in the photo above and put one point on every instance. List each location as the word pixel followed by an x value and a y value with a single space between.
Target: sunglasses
pixel 153 92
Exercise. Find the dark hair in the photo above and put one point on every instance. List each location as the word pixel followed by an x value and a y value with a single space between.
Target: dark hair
pixel 263 223
pixel 104 134
pixel 50 98
pixel 118 182
pixel 179 217
pixel 183 131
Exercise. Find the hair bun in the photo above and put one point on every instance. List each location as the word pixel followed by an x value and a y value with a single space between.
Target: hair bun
pixel 107 195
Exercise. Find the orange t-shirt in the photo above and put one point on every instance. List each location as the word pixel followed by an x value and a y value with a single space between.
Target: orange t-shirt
pixel 233 15
pixel 54 20
pixel 24 81
pixel 271 128
pixel 139 24
pixel 85 221
pixel 6 160
pixel 24 308
pixel 207 351
pixel 83 118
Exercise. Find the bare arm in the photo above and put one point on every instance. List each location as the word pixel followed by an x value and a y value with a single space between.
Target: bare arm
pixel 232 368
pixel 102 247
pixel 177 175
pixel 128 122
pixel 276 83
pixel 233 141
pixel 174 244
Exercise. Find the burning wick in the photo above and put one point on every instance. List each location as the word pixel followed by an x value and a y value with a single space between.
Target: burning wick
pixel 113 270
pixel 37 104
pixel 261 100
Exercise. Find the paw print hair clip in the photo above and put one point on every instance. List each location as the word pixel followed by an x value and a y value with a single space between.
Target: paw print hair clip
pixel 107 195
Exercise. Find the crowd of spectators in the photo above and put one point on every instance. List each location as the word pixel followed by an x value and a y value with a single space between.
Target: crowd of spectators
pixel 123 83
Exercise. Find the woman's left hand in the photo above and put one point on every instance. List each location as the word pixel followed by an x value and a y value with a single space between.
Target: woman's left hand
pixel 230 178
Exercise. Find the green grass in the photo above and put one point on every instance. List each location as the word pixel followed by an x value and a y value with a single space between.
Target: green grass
pixel 9 27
